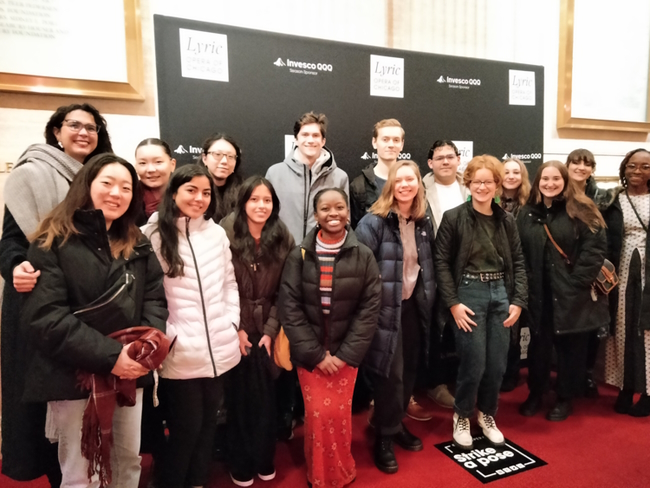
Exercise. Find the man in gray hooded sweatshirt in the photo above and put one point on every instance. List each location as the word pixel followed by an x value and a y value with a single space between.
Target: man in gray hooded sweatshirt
pixel 308 168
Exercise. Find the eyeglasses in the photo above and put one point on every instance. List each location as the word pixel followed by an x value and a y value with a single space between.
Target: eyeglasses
pixel 448 157
pixel 218 156
pixel 76 126
pixel 477 183
pixel 642 167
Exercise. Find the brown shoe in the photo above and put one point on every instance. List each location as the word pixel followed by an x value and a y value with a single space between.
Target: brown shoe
pixel 417 411
pixel 440 394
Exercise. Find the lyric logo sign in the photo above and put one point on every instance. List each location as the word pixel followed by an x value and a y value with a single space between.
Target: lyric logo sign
pixel 522 87
pixel 466 150
pixel 488 463
pixel 459 83
pixel 204 55
pixel 386 76
pixel 303 67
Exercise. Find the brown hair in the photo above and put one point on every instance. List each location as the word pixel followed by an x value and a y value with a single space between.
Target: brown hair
pixel 386 123
pixel 578 155
pixel 578 205
pixel 386 201
pixel 311 118
pixel 523 192
pixel 484 162
pixel 124 234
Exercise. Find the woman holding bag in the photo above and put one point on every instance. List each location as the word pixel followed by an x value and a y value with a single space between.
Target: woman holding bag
pixel 259 242
pixel 84 249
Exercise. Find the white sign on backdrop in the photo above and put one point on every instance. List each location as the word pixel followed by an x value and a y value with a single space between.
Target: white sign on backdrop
pixel 204 55
pixel 522 87
pixel 466 150
pixel 288 143
pixel 386 76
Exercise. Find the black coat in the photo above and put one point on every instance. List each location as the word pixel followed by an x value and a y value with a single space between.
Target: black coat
pixel 382 236
pixel 573 308
pixel 258 284
pixel 364 192
pixel 614 218
pixel 73 275
pixel 354 310
pixel 454 245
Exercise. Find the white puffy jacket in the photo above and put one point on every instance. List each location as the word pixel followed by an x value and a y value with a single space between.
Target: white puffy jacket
pixel 203 303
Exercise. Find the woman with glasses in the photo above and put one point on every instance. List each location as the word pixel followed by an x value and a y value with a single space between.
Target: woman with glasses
pixel 222 157
pixel 482 280
pixel 628 350
pixel 399 232
pixel 38 182
pixel 563 307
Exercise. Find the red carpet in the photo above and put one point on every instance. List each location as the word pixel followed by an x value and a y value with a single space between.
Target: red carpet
pixel 594 448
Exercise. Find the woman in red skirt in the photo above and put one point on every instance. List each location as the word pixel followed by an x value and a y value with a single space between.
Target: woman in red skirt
pixel 330 296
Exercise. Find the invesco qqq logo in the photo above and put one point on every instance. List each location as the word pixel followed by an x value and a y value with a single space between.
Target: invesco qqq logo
pixel 459 81
pixel 303 65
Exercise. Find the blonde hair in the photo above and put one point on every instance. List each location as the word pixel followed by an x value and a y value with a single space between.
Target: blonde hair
pixel 386 201
pixel 523 192
pixel 386 123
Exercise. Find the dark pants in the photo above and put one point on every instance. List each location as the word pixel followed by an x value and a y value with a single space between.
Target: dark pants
pixel 571 352
pixel 484 351
pixel 514 353
pixel 191 408
pixel 392 394
pixel 634 367
pixel 593 343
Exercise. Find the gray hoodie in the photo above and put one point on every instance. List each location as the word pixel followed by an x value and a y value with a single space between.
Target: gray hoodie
pixel 296 186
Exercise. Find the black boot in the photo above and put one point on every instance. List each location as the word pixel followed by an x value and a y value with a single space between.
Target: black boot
pixel 591 387
pixel 532 405
pixel 560 411
pixel 624 401
pixel 406 440
pixel 642 407
pixel 384 454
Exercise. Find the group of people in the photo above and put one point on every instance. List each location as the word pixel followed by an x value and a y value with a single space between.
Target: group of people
pixel 147 297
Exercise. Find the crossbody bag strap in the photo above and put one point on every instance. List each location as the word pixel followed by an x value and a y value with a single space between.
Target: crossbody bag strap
pixel 559 249
pixel 645 227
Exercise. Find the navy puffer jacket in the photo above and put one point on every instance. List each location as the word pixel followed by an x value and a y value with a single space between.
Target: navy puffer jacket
pixel 382 236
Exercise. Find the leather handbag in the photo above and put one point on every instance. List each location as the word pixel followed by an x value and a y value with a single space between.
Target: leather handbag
pixel 281 353
pixel 607 278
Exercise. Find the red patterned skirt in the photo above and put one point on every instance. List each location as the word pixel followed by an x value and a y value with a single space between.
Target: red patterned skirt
pixel 328 426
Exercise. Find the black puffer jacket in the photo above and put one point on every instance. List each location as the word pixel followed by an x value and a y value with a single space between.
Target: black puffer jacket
pixel 602 197
pixel 258 284
pixel 355 303
pixel 573 308
pixel 614 218
pixel 364 192
pixel 454 245
pixel 382 236
pixel 73 275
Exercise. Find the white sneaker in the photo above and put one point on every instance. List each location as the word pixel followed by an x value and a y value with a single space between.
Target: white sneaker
pixel 462 434
pixel 490 429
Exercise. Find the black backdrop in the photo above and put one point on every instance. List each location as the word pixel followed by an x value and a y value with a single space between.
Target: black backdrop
pixel 444 97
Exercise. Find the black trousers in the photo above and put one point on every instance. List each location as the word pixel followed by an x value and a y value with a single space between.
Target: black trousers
pixel 392 394
pixel 514 354
pixel 191 408
pixel 634 367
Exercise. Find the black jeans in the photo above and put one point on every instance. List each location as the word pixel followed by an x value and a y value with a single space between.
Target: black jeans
pixel 392 394
pixel 191 409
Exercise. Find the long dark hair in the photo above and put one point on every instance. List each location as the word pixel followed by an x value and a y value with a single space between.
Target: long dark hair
pixel 123 234
pixel 57 118
pixel 168 213
pixel 273 241
pixel 226 195
pixel 578 205
pixel 626 159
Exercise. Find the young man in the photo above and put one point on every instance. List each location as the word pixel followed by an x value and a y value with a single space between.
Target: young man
pixel 388 141
pixel 308 168
pixel 445 190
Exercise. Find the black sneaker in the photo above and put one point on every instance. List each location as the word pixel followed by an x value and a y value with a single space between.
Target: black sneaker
pixel 384 455
pixel 266 474
pixel 624 401
pixel 241 479
pixel 531 406
pixel 641 408
pixel 560 411
pixel 408 441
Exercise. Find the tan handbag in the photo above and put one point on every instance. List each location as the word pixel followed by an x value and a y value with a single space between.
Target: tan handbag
pixel 281 353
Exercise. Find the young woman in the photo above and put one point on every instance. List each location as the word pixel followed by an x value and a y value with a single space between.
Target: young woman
pixel 581 166
pixel 86 248
pixel 514 195
pixel 482 280
pixel 203 320
pixel 222 156
pixel 38 182
pixel 154 164
pixel 562 306
pixel 628 350
pixel 330 296
pixel 259 242
pixel 400 235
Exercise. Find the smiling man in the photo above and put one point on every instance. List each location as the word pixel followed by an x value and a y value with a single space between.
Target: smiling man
pixel 388 141
pixel 308 168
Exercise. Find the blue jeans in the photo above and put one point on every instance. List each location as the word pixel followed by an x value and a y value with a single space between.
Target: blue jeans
pixel 483 352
